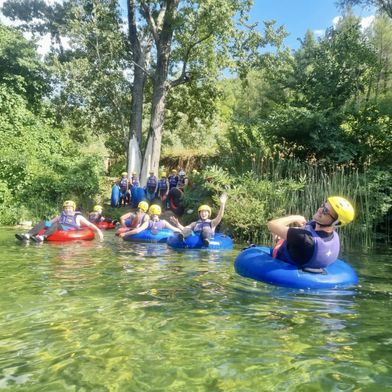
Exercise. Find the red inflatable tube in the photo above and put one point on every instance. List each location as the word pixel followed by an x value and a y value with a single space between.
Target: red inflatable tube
pixel 85 234
pixel 105 225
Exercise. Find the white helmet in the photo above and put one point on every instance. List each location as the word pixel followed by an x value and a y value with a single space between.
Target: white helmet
pixel 181 173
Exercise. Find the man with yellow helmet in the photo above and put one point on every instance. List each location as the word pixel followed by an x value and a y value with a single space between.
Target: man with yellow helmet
pixel 314 244
pixel 204 226
pixel 154 223
pixel 135 219
pixel 69 219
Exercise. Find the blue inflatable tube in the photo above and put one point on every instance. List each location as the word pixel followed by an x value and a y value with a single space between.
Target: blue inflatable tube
pixel 257 263
pixel 218 241
pixel 160 236
pixel 115 198
pixel 137 195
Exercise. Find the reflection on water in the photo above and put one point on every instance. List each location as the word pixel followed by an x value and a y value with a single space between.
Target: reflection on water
pixel 121 316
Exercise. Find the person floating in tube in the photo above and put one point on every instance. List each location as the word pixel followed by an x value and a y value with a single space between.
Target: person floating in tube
pixel 204 226
pixel 69 219
pixel 154 224
pixel 315 244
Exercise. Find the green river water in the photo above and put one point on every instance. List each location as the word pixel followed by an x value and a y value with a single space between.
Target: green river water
pixel 120 316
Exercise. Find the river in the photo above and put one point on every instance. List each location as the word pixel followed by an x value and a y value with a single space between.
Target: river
pixel 119 316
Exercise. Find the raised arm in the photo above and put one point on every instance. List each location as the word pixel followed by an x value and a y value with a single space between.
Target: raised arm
pixel 215 222
pixel 176 222
pixel 280 226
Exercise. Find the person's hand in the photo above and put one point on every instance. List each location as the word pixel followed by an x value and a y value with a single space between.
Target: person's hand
pixel 300 221
pixel 174 220
pixel 223 198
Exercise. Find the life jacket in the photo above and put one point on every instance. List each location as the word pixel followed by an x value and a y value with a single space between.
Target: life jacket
pixel 201 224
pixel 138 220
pixel 155 225
pixel 135 181
pixel 324 252
pixel 151 183
pixel 123 184
pixel 173 180
pixel 69 221
pixel 94 217
pixel 162 186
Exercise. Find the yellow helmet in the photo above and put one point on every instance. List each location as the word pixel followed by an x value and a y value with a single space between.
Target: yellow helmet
pixel 98 208
pixel 343 209
pixel 163 174
pixel 143 205
pixel 205 207
pixel 155 210
pixel 134 173
pixel 69 203
pixel 124 174
pixel 174 171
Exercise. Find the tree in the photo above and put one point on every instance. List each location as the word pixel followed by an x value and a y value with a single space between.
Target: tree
pixel 170 43
pixel 382 5
pixel 20 67
pixel 90 74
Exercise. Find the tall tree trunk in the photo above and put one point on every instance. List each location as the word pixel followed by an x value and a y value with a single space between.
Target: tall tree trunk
pixel 161 86
pixel 135 123
pixel 140 57
pixel 152 153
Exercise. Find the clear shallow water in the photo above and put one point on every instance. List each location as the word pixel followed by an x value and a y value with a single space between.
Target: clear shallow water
pixel 118 316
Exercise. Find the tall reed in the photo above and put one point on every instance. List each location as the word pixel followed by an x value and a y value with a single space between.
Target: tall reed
pixel 315 184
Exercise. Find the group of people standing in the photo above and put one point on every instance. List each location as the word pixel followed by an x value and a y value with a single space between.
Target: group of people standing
pixel 156 190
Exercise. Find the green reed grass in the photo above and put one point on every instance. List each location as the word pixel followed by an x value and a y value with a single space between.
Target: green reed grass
pixel 315 184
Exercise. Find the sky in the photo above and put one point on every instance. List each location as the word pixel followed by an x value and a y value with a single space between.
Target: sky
pixel 297 16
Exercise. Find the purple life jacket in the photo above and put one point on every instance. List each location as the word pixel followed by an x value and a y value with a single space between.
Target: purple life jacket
pixel 173 181
pixel 134 181
pixel 69 221
pixel 162 186
pixel 155 225
pixel 201 224
pixel 94 217
pixel 137 220
pixel 151 183
pixel 123 185
pixel 324 252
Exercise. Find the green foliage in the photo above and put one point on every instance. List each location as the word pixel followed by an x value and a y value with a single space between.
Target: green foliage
pixel 370 136
pixel 282 187
pixel 20 68
pixel 40 166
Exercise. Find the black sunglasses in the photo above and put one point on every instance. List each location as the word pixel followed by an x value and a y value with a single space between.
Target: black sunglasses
pixel 326 211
